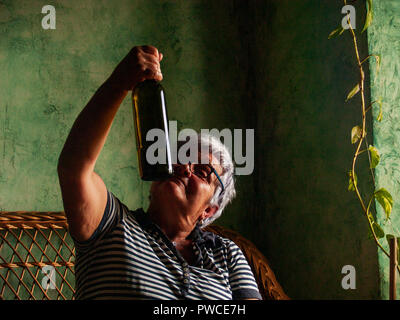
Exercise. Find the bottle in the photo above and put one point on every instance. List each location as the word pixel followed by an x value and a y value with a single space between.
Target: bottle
pixel 150 112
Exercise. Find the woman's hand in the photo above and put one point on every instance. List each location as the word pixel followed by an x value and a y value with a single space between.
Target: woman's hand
pixel 141 63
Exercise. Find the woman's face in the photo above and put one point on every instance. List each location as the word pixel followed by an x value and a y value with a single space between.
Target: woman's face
pixel 186 192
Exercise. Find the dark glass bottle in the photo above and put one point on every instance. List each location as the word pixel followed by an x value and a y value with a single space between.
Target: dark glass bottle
pixel 150 112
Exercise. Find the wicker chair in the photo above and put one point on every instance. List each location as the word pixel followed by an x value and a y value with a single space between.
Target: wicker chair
pixel 37 258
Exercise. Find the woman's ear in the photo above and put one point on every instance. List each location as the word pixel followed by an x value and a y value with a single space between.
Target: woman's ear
pixel 209 212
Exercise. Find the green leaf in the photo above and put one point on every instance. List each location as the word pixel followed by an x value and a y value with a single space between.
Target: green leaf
pixel 375 157
pixel 380 109
pixel 368 18
pixel 356 133
pixel 351 184
pixel 378 230
pixel 385 200
pixel 353 92
pixel 336 32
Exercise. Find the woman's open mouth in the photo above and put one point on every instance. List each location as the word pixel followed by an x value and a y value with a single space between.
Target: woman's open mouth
pixel 178 181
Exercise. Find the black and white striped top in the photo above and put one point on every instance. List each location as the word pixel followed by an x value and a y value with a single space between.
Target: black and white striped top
pixel 129 257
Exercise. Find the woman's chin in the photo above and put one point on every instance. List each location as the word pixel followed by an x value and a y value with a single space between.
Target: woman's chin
pixel 172 188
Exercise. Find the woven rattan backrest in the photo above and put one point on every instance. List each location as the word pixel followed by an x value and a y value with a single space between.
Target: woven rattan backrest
pixel 36 256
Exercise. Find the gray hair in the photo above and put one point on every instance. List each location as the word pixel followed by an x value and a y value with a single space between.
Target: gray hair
pixel 220 152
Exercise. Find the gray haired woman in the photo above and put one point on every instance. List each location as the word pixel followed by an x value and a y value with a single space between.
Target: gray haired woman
pixel 162 253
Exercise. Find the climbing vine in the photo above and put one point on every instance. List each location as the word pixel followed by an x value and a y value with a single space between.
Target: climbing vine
pixel 359 136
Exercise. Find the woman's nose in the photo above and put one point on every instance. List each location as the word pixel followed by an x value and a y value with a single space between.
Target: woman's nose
pixel 183 170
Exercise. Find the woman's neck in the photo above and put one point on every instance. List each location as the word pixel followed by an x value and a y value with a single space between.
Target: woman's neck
pixel 177 227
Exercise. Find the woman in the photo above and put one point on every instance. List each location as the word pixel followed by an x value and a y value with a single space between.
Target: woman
pixel 161 253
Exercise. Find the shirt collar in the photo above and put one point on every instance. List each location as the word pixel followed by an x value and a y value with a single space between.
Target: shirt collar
pixel 199 236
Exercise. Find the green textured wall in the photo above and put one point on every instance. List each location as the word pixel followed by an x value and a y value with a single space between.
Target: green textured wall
pixel 384 40
pixel 265 65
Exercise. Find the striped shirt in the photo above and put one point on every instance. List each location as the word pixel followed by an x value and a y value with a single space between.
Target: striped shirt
pixel 129 257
